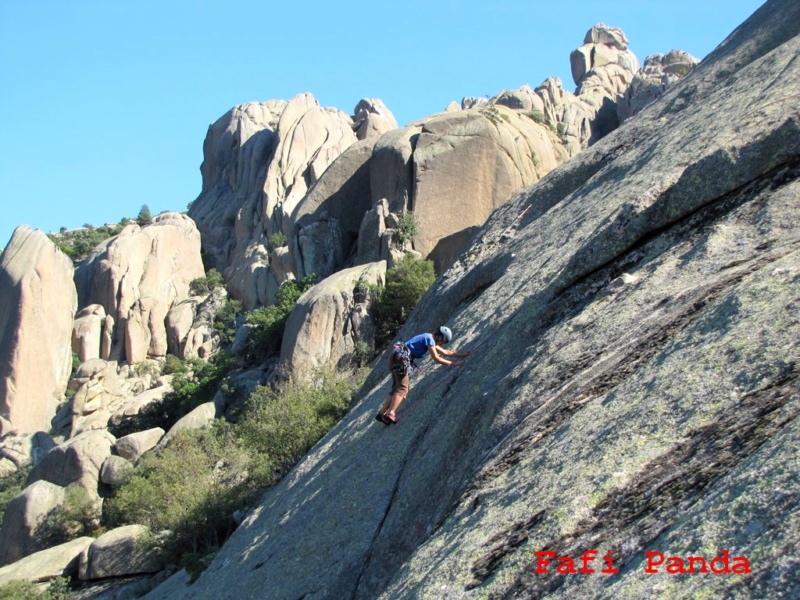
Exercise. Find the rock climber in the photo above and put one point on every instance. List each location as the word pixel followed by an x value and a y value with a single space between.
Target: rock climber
pixel 401 359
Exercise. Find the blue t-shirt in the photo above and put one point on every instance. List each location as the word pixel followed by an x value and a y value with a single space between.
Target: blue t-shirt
pixel 418 345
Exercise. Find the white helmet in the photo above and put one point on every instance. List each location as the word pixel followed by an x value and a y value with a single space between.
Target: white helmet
pixel 446 333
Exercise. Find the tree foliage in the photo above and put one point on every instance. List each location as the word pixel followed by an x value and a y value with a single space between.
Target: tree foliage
pixel 58 589
pixel 406 282
pixel 79 243
pixel 195 383
pixel 144 217
pixel 203 286
pixel 269 321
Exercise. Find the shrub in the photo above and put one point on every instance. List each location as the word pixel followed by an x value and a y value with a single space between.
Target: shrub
pixel 26 590
pixel 363 353
pixel 78 515
pixel 406 282
pixel 276 240
pixel 174 365
pixel 191 388
pixel 11 486
pixel 282 422
pixel 192 487
pixel 265 339
pixel 79 243
pixel 148 367
pixel 407 228
pixel 189 489
pixel 537 116
pixel 205 285
pixel 225 320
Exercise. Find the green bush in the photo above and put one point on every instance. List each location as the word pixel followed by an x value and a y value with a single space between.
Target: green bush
pixel 191 388
pixel 78 515
pixel 536 115
pixel 11 486
pixel 407 227
pixel 406 282
pixel 363 353
pixel 26 590
pixel 282 422
pixel 276 240
pixel 174 365
pixel 269 321
pixel 203 286
pixel 225 321
pixel 192 487
pixel 79 243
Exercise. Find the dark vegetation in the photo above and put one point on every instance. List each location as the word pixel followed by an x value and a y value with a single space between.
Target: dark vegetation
pixel 406 282
pixel 77 244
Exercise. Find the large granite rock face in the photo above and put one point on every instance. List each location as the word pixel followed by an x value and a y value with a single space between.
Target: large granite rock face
pixel 22 517
pixel 325 224
pixel 87 333
pixel 659 73
pixel 37 305
pixel 465 165
pixel 138 275
pixel 372 119
pixel 58 561
pixel 236 151
pixel 78 461
pixel 309 138
pixel 633 385
pixel 330 320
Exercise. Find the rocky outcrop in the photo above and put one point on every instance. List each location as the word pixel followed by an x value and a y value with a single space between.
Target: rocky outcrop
pixel 325 224
pixel 58 561
pixel 190 326
pixel 467 164
pixel 236 150
pixel 372 119
pixel 37 304
pixel 78 461
pixel 23 515
pixel 116 553
pixel 633 384
pixel 132 446
pixel 309 139
pixel 330 320
pixel 602 46
pixel 87 333
pixel 138 275
pixel 23 450
pixel 659 73
pixel 132 406
pixel 99 391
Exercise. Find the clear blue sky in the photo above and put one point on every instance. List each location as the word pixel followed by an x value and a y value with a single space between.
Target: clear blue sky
pixel 104 104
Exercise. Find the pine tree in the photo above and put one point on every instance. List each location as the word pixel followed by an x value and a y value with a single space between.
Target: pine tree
pixel 144 217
